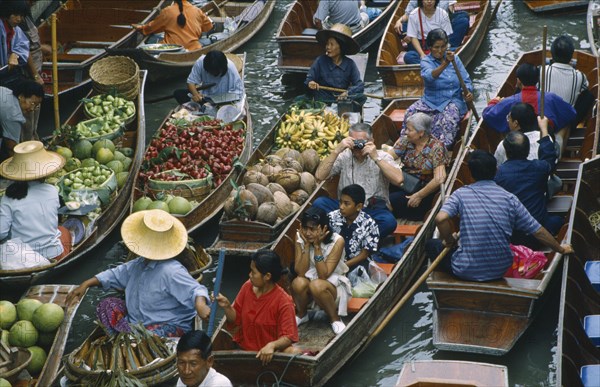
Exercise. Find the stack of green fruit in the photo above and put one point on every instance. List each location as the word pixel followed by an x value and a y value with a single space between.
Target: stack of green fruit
pixel 175 205
pixel 87 177
pixel 106 105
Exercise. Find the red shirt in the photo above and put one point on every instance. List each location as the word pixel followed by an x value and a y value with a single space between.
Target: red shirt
pixel 263 319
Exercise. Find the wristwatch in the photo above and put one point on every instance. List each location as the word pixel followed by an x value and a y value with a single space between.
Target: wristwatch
pixel 379 158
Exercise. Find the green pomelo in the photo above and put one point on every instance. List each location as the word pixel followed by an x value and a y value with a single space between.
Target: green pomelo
pixel 72 164
pixel 89 162
pixel 104 156
pixel 116 166
pixel 8 314
pixel 119 156
pixel 107 144
pixel 23 334
pixel 64 152
pixel 141 204
pixel 128 152
pixel 48 317
pixel 26 307
pixel 122 178
pixel 45 339
pixel 158 205
pixel 38 359
pixel 126 163
pixel 179 206
pixel 4 383
pixel 4 337
pixel 83 149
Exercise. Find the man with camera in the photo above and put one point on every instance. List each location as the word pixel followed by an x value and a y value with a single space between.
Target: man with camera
pixel 357 161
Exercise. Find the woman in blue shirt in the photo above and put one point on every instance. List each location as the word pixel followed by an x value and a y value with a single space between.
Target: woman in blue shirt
pixel 443 98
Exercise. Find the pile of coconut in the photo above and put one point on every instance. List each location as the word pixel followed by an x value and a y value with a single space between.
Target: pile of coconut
pixel 275 187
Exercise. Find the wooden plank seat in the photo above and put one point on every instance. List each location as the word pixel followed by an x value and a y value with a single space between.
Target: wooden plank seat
pixel 521 286
pixel 590 375
pixel 397 116
pixel 355 303
pixel 592 270
pixel 591 326
pixel 469 6
pixel 560 204
pixel 404 230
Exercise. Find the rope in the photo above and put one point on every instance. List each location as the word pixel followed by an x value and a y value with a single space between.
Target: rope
pixel 278 381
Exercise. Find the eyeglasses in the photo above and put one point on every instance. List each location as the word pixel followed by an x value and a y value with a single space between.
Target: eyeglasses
pixel 314 217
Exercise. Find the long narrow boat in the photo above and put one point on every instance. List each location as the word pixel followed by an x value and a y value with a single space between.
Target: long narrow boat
pixel 134 137
pixel 555 6
pixel 327 352
pixel 298 46
pixel 593 26
pixel 452 373
pixel 251 17
pixel 210 205
pixel 578 352
pixel 84 30
pixel 489 317
pixel 400 81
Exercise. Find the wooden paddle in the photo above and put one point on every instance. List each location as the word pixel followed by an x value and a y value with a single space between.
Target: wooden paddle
pixel 470 104
pixel 165 97
pixel 543 81
pixel 217 289
pixel 343 91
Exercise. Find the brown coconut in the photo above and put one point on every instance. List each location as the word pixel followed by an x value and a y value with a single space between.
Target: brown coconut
pixel 255 167
pixel 255 177
pixel 310 159
pixel 271 170
pixel 274 187
pixel 281 152
pixel 289 179
pixel 273 160
pixel 299 196
pixel 295 207
pixel 283 203
pixel 308 182
pixel 293 154
pixel 267 213
pixel 248 201
pixel 229 208
pixel 289 162
pixel 262 193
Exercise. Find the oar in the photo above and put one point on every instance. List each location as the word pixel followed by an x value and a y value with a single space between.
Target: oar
pixel 470 104
pixel 217 289
pixel 543 85
pixel 343 91
pixel 165 97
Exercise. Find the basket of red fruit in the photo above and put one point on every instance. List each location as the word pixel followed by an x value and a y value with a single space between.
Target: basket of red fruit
pixel 178 183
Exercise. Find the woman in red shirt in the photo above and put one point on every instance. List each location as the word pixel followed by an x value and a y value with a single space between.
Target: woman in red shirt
pixel 262 316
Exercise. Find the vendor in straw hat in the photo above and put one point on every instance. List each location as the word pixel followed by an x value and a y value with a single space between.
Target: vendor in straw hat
pixel 159 291
pixel 334 68
pixel 29 208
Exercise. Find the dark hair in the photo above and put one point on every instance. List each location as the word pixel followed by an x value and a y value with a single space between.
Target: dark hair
pixel 17 190
pixel 356 193
pixel 435 35
pixel 318 216
pixel 195 340
pixel 420 3
pixel 524 114
pixel 482 165
pixel 181 20
pixel 267 261
pixel 516 145
pixel 562 49
pixel 14 7
pixel 215 63
pixel 27 88
pixel 528 74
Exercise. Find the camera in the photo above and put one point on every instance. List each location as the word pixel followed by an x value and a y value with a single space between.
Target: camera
pixel 359 144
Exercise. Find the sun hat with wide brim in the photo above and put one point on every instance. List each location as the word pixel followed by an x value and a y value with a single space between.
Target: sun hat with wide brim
pixel 154 234
pixel 31 162
pixel 342 33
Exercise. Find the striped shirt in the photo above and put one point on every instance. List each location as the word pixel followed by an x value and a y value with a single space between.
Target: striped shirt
pixel 488 215
pixel 564 80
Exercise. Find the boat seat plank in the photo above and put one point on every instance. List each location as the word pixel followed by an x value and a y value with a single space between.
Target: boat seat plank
pixel 560 204
pixel 405 230
pixel 73 57
pixel 439 279
pixel 591 326
pixel 422 373
pixel 590 375
pixel 469 6
pixel 592 270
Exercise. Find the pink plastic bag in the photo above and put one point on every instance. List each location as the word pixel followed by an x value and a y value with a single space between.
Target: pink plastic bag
pixel 526 262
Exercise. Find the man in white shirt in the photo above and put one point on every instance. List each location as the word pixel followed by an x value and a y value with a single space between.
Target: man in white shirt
pixel 195 360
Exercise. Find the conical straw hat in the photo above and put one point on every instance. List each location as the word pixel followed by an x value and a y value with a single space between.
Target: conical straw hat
pixel 31 162
pixel 344 34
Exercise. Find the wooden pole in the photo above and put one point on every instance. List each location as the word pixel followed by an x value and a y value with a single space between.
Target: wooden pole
pixel 217 289
pixel 55 72
pixel 543 81
pixel 463 86
pixel 343 91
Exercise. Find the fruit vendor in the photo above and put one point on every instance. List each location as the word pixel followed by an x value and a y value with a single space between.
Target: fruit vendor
pixel 29 209
pixel 159 291
pixel 335 69
pixel 14 45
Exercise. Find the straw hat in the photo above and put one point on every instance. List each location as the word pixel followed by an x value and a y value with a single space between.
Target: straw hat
pixel 342 33
pixel 154 234
pixel 31 162
pixel 237 61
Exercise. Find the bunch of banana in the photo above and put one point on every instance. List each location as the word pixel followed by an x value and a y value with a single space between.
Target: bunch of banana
pixel 288 135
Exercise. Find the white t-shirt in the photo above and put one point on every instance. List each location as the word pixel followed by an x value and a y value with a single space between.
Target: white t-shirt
pixel 534 145
pixel 439 19
pixel 212 379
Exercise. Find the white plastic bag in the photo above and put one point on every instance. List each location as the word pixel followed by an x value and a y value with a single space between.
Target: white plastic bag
pixel 362 285
pixel 376 273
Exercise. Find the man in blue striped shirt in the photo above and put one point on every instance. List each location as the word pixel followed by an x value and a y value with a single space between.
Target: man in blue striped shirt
pixel 488 216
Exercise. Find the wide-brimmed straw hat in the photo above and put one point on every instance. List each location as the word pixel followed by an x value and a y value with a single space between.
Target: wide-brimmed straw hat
pixel 154 234
pixel 342 33
pixel 31 162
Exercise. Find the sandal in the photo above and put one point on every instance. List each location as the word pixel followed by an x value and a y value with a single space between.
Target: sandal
pixel 338 327
pixel 300 321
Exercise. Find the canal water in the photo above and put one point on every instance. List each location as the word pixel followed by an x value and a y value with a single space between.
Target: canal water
pixel 409 335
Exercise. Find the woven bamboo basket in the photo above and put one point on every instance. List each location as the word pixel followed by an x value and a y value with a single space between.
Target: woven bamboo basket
pixel 116 74
pixel 183 190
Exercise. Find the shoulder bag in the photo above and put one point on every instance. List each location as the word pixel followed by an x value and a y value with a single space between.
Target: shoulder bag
pixel 411 183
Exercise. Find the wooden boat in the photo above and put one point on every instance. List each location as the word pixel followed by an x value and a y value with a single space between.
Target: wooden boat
pixel 250 16
pixel 298 47
pixel 552 6
pixel 213 202
pixel 593 25
pixel 578 348
pixel 489 317
pixel 327 353
pixel 425 373
pixel 134 137
pixel 400 81
pixel 56 294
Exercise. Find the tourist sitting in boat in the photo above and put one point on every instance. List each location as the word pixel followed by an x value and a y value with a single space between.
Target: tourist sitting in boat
pixel 357 161
pixel 212 68
pixel 159 292
pixel 527 178
pixel 182 23
pixel 25 97
pixel 559 112
pixel 14 45
pixel 29 209
pixel 335 69
pixel 443 97
pixel 262 315
pixel 331 12
pixel 359 230
pixel 319 264
pixel 195 361
pixel 423 157
pixel 488 216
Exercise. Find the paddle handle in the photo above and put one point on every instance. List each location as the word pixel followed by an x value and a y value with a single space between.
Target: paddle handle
pixel 463 86
pixel 343 91
pixel 217 289
pixel 543 80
